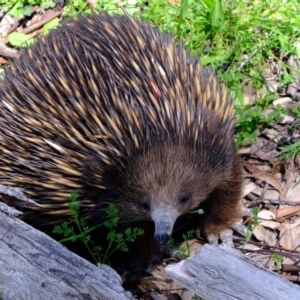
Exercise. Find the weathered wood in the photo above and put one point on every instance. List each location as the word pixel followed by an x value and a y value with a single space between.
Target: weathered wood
pixel 34 266
pixel 225 273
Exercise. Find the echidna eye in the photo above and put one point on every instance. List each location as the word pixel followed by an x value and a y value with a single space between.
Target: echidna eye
pixel 145 206
pixel 184 198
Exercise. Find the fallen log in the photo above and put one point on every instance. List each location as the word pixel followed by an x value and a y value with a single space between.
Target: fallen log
pixel 34 266
pixel 225 273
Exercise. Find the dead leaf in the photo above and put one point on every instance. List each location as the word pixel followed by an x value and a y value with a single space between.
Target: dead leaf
pixel 159 281
pixel 266 157
pixel 269 194
pixel 285 236
pixel 248 188
pixel 293 192
pixel 287 211
pixel 270 224
pixel 266 215
pixel 295 229
pixel 267 177
pixel 249 247
pixel 264 235
pixel 272 180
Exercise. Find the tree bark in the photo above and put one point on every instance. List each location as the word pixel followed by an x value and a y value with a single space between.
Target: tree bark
pixel 225 273
pixel 34 266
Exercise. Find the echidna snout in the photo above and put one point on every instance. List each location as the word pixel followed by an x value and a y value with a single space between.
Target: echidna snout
pixel 164 220
pixel 161 238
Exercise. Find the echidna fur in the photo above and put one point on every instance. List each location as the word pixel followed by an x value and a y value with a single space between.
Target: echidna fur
pixel 110 107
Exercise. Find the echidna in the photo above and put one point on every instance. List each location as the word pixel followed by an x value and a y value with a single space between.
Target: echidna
pixel 110 107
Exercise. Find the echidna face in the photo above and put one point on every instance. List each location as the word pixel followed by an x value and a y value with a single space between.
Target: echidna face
pixel 167 182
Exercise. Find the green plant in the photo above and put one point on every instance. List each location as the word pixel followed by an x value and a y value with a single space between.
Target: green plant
pixel 73 8
pixel 237 38
pixel 251 227
pixel 20 39
pixel 116 240
pixel 184 251
pixel 296 110
pixel 79 7
pixel 196 297
pixel 23 7
pixel 278 260
pixel 249 119
pixel 289 150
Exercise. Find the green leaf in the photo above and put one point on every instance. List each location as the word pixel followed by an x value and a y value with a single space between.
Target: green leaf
pixel 15 8
pixel 20 39
pixel 111 236
pixel 51 25
pixel 216 15
pixel 48 4
pixel 112 210
pixel 73 196
pixel 183 10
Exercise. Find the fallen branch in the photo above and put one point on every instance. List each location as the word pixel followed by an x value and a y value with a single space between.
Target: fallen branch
pixel 34 266
pixel 225 273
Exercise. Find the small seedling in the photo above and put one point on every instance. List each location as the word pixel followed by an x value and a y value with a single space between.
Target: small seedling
pixel 251 227
pixel 278 260
pixel 184 251
pixel 289 150
pixel 251 119
pixel 296 110
pixel 116 240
